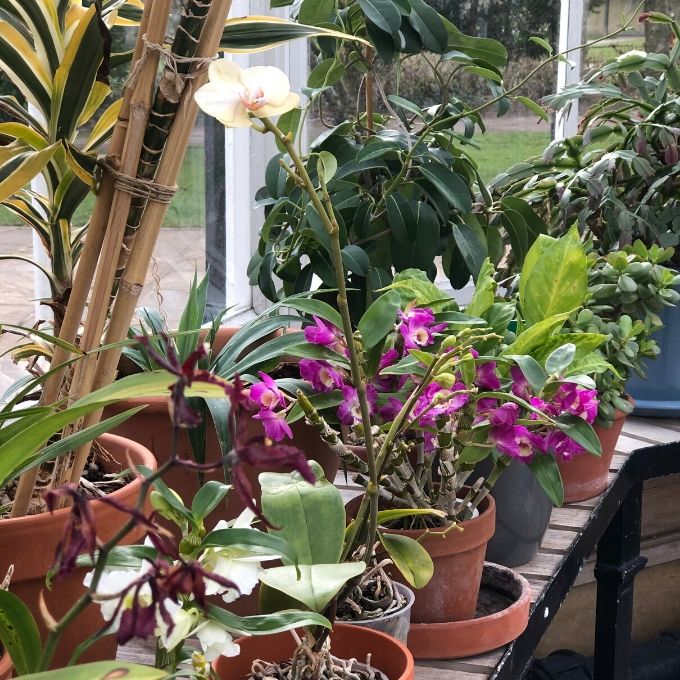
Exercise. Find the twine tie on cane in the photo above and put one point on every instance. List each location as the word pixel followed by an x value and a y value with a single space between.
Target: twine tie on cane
pixel 173 79
pixel 137 186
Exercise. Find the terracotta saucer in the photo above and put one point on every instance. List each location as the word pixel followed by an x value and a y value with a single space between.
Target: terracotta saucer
pixel 502 615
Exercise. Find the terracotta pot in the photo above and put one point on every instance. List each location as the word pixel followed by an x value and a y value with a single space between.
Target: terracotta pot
pixel 458 556
pixel 502 615
pixel 29 543
pixel 586 476
pixel 347 642
pixel 6 667
pixel 152 429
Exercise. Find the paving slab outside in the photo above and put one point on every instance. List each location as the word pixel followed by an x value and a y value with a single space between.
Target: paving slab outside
pixel 179 252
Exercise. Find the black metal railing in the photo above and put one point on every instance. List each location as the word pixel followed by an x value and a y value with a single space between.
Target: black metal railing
pixel 614 527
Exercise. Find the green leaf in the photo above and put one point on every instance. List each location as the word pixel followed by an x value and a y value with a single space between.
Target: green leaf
pixel 102 670
pixel 400 218
pixel 560 358
pixel 472 245
pixel 265 625
pixel 383 13
pixel 544 467
pixel 449 184
pixel 483 50
pixel 429 26
pixel 581 432
pixel 532 370
pixel 327 73
pixel 19 633
pixel 192 318
pixel 326 166
pixel 543 43
pixel 315 585
pixel 484 73
pixel 311 519
pixel 406 105
pixel 557 282
pixel 591 364
pixel 320 401
pixel 585 344
pixel 536 335
pixel 485 288
pixel 516 228
pixel 379 318
pixel 532 106
pixel 412 560
pixel 355 259
pixel 314 12
pixel 209 496
pixel 252 540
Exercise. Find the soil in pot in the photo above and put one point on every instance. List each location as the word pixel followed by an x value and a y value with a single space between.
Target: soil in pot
pixel 502 614
pixel 458 556
pixel 386 654
pixel 586 476
pixel 29 543
pixel 522 514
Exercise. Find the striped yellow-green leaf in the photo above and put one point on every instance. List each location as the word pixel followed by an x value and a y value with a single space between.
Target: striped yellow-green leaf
pixel 18 168
pixel 76 75
pixel 21 64
pixel 99 92
pixel 103 127
pixel 259 33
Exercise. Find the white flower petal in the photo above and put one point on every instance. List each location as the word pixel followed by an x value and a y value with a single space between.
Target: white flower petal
pixel 244 520
pixel 268 110
pixel 226 72
pixel 223 103
pixel 272 81
pixel 216 641
pixel 184 622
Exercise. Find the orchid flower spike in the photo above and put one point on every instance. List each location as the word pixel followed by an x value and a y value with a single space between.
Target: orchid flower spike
pixel 233 93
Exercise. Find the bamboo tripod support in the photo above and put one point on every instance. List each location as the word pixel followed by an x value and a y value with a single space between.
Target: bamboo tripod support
pixel 103 245
pixel 82 283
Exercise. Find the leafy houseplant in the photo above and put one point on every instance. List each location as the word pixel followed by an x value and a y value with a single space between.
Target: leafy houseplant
pixel 404 188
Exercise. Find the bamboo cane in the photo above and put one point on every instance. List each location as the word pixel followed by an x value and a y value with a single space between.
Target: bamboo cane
pixel 137 266
pixel 163 111
pixel 84 274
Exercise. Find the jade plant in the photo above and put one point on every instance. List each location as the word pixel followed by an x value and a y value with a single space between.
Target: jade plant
pixel 628 290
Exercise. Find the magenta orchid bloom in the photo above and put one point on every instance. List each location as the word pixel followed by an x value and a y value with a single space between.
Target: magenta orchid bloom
pixel 349 412
pixel 321 375
pixel 325 334
pixel 448 406
pixel 516 441
pixel 275 425
pixel 562 445
pixel 520 385
pixel 389 411
pixel 578 401
pixel 487 378
pixel 266 393
pixel 417 327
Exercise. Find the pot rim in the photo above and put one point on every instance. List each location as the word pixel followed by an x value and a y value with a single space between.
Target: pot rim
pixel 409 664
pixel 145 457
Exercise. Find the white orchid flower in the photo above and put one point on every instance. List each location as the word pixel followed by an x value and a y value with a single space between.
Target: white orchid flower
pixel 183 623
pixel 216 641
pixel 232 93
pixel 240 566
pixel 112 583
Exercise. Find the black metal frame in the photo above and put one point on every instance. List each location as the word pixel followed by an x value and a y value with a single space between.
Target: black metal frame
pixel 614 527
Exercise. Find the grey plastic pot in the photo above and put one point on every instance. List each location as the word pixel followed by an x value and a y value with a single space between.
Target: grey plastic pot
pixel 659 394
pixel 397 624
pixel 522 514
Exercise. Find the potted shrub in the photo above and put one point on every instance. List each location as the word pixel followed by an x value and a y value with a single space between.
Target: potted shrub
pixel 616 179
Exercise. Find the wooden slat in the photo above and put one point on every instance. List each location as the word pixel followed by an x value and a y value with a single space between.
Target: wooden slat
pixel 537 588
pixel 543 565
pixel 645 429
pixel 481 663
pixel 557 540
pixel 426 673
pixel 568 517
pixel 626 444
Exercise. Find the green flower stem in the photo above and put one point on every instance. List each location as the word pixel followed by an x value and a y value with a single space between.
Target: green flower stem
pixel 325 211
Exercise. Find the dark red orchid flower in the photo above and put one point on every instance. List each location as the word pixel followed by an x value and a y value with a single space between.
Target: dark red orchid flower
pixel 80 531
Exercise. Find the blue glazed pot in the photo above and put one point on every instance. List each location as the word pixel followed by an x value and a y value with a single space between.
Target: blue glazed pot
pixel 659 394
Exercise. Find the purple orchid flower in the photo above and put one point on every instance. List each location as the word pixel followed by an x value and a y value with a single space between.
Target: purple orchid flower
pixel 450 402
pixel 417 327
pixel 388 412
pixel 326 334
pixel 577 401
pixel 275 425
pixel 520 385
pixel 349 411
pixel 562 445
pixel 516 441
pixel 504 417
pixel 487 377
pixel 266 393
pixel 321 374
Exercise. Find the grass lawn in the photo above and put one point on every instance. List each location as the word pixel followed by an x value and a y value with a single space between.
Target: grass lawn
pixel 500 150
pixel 186 210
